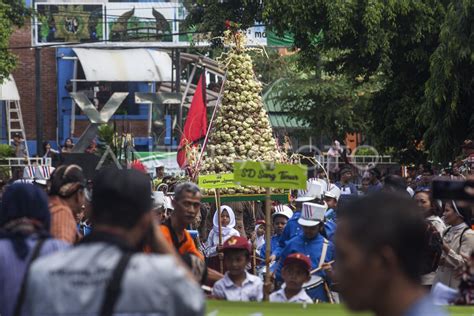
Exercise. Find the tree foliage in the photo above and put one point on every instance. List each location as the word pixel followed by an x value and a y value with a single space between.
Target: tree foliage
pixel 12 14
pixel 210 16
pixel 413 60
pixel 448 110
pixel 391 39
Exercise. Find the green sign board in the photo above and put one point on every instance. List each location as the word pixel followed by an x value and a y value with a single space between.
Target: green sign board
pixel 216 181
pixel 270 175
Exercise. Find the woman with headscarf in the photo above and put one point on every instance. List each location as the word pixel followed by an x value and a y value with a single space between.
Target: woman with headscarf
pixel 66 202
pixel 227 228
pixel 458 243
pixel 24 230
pixel 258 236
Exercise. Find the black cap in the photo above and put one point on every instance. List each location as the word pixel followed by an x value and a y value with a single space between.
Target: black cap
pixel 120 197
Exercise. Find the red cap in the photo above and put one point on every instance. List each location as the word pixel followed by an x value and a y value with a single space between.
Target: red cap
pixel 260 222
pixel 237 242
pixel 298 258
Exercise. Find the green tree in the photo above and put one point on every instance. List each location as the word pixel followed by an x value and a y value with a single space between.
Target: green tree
pixel 390 39
pixel 331 104
pixel 12 14
pixel 210 16
pixel 415 55
pixel 337 104
pixel 448 110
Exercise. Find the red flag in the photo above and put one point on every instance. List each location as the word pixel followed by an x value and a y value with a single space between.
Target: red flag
pixel 195 127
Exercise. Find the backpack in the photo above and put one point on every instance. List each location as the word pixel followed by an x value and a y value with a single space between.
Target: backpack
pixel 433 250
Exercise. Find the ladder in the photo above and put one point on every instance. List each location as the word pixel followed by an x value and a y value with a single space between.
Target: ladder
pixel 15 122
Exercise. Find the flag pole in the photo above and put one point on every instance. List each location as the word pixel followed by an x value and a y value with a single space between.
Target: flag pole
pixel 268 236
pixel 218 101
pixel 218 210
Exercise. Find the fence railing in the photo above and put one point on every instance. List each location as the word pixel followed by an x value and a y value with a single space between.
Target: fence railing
pixel 23 162
pixel 361 162
pixel 31 168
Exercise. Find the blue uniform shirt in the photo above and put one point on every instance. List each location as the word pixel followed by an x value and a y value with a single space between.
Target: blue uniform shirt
pixel 273 245
pixel 330 214
pixel 293 229
pixel 313 249
pixel 330 228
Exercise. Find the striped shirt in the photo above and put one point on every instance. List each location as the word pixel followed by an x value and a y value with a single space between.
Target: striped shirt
pixel 63 224
pixel 12 269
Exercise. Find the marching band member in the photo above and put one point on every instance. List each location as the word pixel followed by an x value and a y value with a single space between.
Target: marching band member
pixel 280 218
pixel 312 244
pixel 292 228
pixel 331 197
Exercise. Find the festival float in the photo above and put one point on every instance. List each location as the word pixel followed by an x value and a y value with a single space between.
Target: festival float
pixel 240 128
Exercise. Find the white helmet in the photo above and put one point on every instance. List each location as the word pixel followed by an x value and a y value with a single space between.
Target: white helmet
pixel 283 210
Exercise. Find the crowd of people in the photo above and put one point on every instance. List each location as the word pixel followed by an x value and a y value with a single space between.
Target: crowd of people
pixel 122 244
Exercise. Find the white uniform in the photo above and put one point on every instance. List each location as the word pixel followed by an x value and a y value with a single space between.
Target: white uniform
pixel 250 291
pixel 280 297
pixel 453 260
pixel 438 223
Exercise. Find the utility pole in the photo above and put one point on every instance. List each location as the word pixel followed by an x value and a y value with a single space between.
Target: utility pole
pixel 38 105
pixel 177 84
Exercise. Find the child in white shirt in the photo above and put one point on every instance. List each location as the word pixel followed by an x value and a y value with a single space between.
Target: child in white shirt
pixel 295 272
pixel 259 235
pixel 238 284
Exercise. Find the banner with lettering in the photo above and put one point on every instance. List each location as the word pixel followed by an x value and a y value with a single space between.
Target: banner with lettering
pixel 216 181
pixel 270 175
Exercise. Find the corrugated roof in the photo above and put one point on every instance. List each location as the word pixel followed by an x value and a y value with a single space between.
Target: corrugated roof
pixel 285 121
pixel 279 118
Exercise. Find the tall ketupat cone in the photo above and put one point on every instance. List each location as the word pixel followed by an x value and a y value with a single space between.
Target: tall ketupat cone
pixel 241 130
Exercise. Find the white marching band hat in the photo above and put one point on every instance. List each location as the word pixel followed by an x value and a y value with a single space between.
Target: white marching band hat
pixel 283 210
pixel 314 190
pixel 312 214
pixel 333 192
